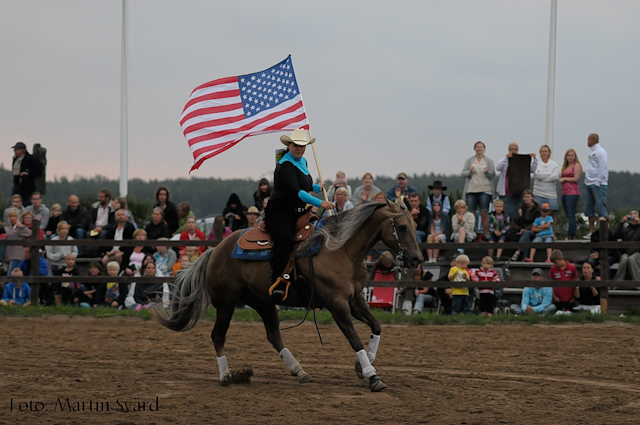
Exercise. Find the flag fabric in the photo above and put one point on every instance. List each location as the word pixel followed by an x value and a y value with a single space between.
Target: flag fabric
pixel 220 113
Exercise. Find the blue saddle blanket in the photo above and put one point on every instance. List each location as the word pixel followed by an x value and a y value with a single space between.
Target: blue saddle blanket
pixel 266 254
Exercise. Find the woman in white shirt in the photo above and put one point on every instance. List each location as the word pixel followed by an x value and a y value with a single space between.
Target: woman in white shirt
pixel 545 181
pixel 479 171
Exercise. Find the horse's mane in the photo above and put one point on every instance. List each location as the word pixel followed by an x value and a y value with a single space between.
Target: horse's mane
pixel 338 229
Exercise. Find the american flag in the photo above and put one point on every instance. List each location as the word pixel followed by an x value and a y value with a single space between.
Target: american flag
pixel 220 113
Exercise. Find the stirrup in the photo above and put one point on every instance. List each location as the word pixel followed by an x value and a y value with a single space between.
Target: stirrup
pixel 280 293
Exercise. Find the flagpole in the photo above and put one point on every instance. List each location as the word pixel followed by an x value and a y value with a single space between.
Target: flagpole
pixel 551 75
pixel 315 156
pixel 124 149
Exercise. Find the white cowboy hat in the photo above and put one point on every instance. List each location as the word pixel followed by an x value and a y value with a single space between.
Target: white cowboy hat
pixel 299 137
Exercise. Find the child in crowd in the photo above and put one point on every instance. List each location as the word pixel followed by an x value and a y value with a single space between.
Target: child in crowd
pixel 111 290
pixel 459 273
pixel 91 294
pixel 486 274
pixel 543 226
pixel 52 225
pixel 165 258
pixel 16 293
pixel 193 252
pixel 183 264
pixel 563 297
pixel 499 225
pixel 67 291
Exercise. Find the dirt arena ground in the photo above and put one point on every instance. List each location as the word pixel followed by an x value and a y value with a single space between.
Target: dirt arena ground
pixel 502 374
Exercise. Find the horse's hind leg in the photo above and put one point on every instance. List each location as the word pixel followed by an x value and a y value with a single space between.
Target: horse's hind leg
pixel 271 322
pixel 218 336
pixel 360 310
pixel 341 314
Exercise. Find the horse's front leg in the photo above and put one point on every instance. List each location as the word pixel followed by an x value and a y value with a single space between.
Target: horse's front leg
pixel 360 310
pixel 271 322
pixel 341 314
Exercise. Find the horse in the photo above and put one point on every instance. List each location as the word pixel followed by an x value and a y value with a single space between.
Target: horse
pixel 338 273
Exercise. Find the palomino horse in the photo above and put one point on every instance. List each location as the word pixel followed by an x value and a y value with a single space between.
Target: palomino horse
pixel 338 269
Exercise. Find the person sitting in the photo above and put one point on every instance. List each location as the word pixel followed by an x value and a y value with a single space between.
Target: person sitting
pixel 110 291
pixel 162 197
pixel 543 228
pixel 67 292
pixel 234 213
pixel 54 219
pixel 363 194
pixel 157 228
pixel 527 214
pixel 628 230
pixel 146 295
pixel 101 214
pixel 379 197
pixel 459 273
pixel 132 259
pixel 56 253
pixel 383 270
pixel 219 230
pixel 16 293
pixel 341 200
pixel 184 212
pixel 439 230
pixel 16 203
pixel 40 212
pixel 562 270
pixel 420 216
pixel 165 258
pixel 487 295
pixel 119 230
pixel 424 295
pixel 181 265
pixel 14 254
pixel 252 217
pixel 535 299
pixel 445 295
pixel 437 188
pixel 27 220
pixel 587 296
pixel 121 203
pixel 192 233
pixel 340 181
pixel 499 225
pixel 77 217
pixel 401 189
pixel 263 192
pixel 94 292
pixel 462 224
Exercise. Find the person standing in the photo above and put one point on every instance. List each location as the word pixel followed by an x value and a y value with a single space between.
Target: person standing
pixel 479 171
pixel 571 173
pixel 545 180
pixel 26 168
pixel 596 180
pixel 510 191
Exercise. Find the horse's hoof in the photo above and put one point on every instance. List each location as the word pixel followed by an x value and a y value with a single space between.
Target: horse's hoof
pixel 359 370
pixel 376 384
pixel 303 377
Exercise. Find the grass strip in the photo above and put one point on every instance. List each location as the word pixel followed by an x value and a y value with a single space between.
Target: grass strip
pixel 324 317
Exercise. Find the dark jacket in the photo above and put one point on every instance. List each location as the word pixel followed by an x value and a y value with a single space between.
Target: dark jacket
pixel 525 221
pixel 93 215
pixel 422 221
pixel 170 215
pixel 155 231
pixel 239 209
pixel 26 185
pixel 628 233
pixel 78 219
pixel 127 234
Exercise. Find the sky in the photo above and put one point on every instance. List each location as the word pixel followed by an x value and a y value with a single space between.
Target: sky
pixel 389 87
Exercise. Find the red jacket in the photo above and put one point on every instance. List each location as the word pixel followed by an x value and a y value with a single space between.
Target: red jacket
pixel 184 236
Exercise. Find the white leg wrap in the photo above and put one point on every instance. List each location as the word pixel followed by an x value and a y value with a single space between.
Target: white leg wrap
pixel 372 347
pixel 223 367
pixel 367 370
pixel 290 361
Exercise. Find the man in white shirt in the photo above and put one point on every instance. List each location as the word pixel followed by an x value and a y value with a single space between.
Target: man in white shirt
pixel 596 180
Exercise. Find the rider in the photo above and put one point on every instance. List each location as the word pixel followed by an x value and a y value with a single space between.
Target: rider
pixel 289 198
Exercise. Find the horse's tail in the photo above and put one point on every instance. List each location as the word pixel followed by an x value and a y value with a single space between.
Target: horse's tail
pixel 189 299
